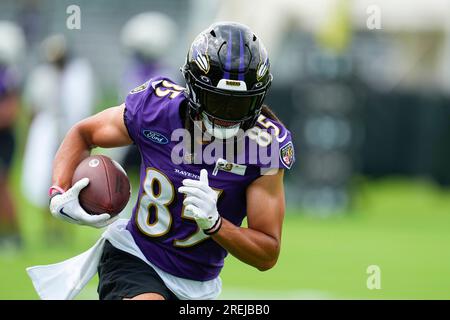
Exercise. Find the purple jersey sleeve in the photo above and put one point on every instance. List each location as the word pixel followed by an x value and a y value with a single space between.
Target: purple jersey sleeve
pixel 145 109
pixel 134 103
pixel 275 149
pixel 150 111
pixel 286 151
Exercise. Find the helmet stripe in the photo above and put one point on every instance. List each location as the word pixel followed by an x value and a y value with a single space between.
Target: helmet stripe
pixel 241 57
pixel 226 74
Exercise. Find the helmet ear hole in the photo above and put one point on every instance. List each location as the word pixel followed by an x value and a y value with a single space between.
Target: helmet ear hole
pixel 254 38
pixel 213 33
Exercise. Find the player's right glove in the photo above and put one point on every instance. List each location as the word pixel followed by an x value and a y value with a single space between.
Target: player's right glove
pixel 201 202
pixel 66 206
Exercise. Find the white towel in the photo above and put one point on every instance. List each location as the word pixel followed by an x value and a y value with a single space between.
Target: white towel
pixel 64 280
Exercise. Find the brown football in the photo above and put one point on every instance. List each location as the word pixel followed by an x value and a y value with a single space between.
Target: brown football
pixel 108 190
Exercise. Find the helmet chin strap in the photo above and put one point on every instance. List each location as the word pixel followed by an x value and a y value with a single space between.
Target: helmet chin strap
pixel 219 132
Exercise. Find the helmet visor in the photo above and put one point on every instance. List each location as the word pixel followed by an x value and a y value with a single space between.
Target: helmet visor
pixel 230 106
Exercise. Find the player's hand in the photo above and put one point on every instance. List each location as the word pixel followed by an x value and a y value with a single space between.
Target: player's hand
pixel 201 203
pixel 66 207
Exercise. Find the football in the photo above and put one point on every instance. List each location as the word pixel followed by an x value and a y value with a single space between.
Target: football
pixel 108 190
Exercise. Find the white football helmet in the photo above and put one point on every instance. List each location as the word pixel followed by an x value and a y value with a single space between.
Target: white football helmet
pixel 150 34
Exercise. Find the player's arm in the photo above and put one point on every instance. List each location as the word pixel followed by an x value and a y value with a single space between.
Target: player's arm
pixel 259 244
pixel 105 129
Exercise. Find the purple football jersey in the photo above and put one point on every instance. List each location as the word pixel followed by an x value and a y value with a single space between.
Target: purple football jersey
pixel 161 228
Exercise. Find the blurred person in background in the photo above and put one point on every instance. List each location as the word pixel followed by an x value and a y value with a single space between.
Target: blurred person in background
pixel 146 50
pixel 59 93
pixel 30 18
pixel 12 44
pixel 147 53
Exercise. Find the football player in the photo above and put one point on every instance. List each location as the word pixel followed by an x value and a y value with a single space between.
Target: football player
pixel 188 215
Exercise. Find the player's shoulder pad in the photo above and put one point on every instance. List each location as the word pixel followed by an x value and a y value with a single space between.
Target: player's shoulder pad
pixel 273 135
pixel 156 85
pixel 151 105
pixel 149 94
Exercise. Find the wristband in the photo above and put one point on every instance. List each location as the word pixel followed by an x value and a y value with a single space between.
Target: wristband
pixel 215 228
pixel 56 188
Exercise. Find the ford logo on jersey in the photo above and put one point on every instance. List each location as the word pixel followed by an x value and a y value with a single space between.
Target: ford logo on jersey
pixel 156 137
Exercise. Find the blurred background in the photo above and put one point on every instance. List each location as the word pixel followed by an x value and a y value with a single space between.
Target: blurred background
pixel 364 86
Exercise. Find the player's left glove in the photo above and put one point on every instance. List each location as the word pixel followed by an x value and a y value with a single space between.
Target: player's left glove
pixel 66 206
pixel 201 203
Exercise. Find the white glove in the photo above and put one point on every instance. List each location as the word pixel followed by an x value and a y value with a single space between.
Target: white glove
pixel 201 203
pixel 66 207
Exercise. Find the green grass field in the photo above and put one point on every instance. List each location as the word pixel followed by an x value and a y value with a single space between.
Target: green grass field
pixel 399 225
